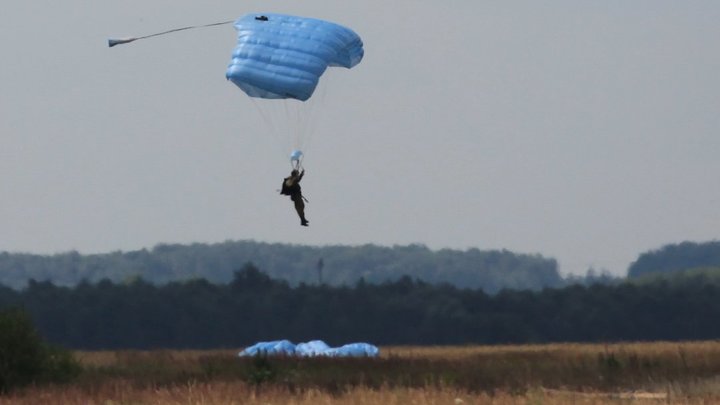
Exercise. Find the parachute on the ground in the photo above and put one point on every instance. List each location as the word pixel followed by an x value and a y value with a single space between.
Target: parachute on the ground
pixel 312 348
pixel 283 56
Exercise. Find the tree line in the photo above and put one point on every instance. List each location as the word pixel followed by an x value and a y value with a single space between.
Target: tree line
pixel 676 257
pixel 490 270
pixel 255 307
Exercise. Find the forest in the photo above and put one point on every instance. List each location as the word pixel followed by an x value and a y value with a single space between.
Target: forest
pixel 490 270
pixel 198 296
pixel 676 257
pixel 255 307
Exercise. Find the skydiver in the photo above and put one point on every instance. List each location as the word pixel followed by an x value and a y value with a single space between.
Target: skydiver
pixel 291 187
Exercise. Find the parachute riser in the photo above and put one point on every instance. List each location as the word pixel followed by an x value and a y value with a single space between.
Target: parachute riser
pixel 296 164
pixel 296 158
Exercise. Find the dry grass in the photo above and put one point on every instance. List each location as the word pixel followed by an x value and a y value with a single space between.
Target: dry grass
pixel 226 393
pixel 631 373
pixel 653 349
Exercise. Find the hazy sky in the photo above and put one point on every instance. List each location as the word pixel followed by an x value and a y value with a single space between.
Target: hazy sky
pixel 583 131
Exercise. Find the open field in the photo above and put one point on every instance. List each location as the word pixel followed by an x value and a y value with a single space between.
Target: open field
pixel 631 373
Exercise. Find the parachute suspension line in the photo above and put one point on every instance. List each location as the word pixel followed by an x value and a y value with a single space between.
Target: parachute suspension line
pixel 311 115
pixel 269 123
pixel 119 41
pixel 302 117
pixel 296 117
pixel 292 120
pixel 297 164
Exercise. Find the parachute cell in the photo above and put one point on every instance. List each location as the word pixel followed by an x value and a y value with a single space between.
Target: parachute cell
pixel 282 56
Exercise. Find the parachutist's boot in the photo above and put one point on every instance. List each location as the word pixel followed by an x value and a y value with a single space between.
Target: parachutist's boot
pixel 304 222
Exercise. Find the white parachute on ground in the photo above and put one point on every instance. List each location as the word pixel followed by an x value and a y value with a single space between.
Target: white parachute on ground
pixel 313 348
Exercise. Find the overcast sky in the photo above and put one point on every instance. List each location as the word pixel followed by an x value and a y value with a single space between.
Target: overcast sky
pixel 582 131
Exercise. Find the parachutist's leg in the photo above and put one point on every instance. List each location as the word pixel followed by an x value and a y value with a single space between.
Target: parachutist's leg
pixel 300 208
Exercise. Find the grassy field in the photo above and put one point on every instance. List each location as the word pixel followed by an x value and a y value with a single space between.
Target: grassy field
pixel 632 373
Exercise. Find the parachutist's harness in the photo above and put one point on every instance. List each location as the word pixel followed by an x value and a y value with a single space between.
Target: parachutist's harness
pixel 292 191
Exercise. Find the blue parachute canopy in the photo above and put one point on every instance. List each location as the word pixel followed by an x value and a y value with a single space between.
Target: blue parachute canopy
pixel 283 56
pixel 313 348
pixel 275 347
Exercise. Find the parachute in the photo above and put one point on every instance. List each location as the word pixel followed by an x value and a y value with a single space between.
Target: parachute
pixel 281 58
pixel 313 348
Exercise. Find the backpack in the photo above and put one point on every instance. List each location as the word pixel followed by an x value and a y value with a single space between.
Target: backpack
pixel 285 190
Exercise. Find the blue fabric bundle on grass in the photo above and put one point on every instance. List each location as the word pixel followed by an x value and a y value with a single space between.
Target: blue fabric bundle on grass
pixel 313 348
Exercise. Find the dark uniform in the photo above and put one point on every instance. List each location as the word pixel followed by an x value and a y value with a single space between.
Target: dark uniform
pixel 291 187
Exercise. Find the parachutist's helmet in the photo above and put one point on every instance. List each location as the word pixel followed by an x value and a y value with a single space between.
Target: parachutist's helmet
pixel 294 173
